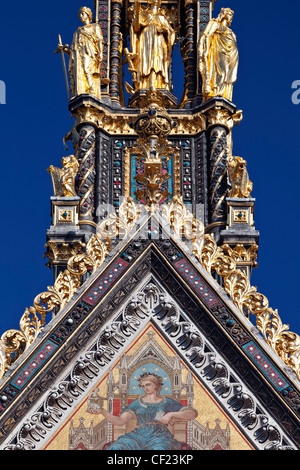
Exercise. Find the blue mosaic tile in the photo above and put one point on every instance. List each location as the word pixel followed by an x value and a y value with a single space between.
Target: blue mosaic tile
pixel 265 365
pixel 196 282
pixel 34 364
pixel 107 279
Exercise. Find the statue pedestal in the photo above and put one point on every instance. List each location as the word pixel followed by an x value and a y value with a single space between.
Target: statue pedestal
pixel 141 98
pixel 240 239
pixel 64 238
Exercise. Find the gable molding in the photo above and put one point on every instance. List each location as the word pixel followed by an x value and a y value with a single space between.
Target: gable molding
pixel 149 303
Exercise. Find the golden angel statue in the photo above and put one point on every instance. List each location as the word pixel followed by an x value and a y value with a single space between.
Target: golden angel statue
pixel 85 56
pixel 63 179
pixel 218 57
pixel 151 38
pixel 241 186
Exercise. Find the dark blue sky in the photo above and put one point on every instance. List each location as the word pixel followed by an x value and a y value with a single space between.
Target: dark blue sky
pixel 35 119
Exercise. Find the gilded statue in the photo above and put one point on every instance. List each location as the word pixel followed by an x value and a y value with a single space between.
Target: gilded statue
pixel 63 179
pixel 151 38
pixel 85 56
pixel 218 57
pixel 241 186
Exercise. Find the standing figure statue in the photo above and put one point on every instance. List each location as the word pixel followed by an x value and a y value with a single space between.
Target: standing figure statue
pixel 152 38
pixel 218 57
pixel 85 56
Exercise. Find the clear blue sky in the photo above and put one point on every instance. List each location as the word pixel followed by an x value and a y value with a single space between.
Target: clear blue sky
pixel 35 119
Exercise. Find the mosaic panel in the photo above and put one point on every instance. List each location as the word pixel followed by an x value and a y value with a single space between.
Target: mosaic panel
pixel 31 366
pixel 106 280
pixel 265 365
pixel 196 282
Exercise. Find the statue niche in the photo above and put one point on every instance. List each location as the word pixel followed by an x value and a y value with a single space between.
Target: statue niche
pixel 152 36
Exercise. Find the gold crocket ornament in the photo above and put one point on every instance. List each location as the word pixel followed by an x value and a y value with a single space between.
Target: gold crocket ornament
pixel 85 56
pixel 151 38
pixel 218 57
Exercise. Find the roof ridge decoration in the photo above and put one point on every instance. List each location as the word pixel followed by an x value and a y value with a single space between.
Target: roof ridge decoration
pixel 214 258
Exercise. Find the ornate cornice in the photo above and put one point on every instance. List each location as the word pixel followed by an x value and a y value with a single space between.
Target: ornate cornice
pixel 116 123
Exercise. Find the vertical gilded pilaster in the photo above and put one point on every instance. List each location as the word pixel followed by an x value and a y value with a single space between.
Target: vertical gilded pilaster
pixel 86 175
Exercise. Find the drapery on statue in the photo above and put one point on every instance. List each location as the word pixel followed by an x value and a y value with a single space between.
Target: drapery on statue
pixel 63 179
pixel 241 186
pixel 152 38
pixel 85 56
pixel 218 57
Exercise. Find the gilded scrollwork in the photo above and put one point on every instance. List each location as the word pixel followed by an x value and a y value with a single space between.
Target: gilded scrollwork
pixel 95 254
pixel 220 259
pixel 284 342
pixel 237 285
pixel 14 342
pixel 120 225
pixel 182 222
pixel 213 258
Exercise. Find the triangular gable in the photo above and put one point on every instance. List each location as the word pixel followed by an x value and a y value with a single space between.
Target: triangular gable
pixel 211 426
pixel 215 341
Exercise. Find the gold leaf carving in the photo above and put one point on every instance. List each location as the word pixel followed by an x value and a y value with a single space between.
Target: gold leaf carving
pixel 182 222
pixel 13 343
pixel 236 283
pixel 120 225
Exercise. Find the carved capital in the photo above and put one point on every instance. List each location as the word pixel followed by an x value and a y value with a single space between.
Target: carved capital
pixel 218 117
